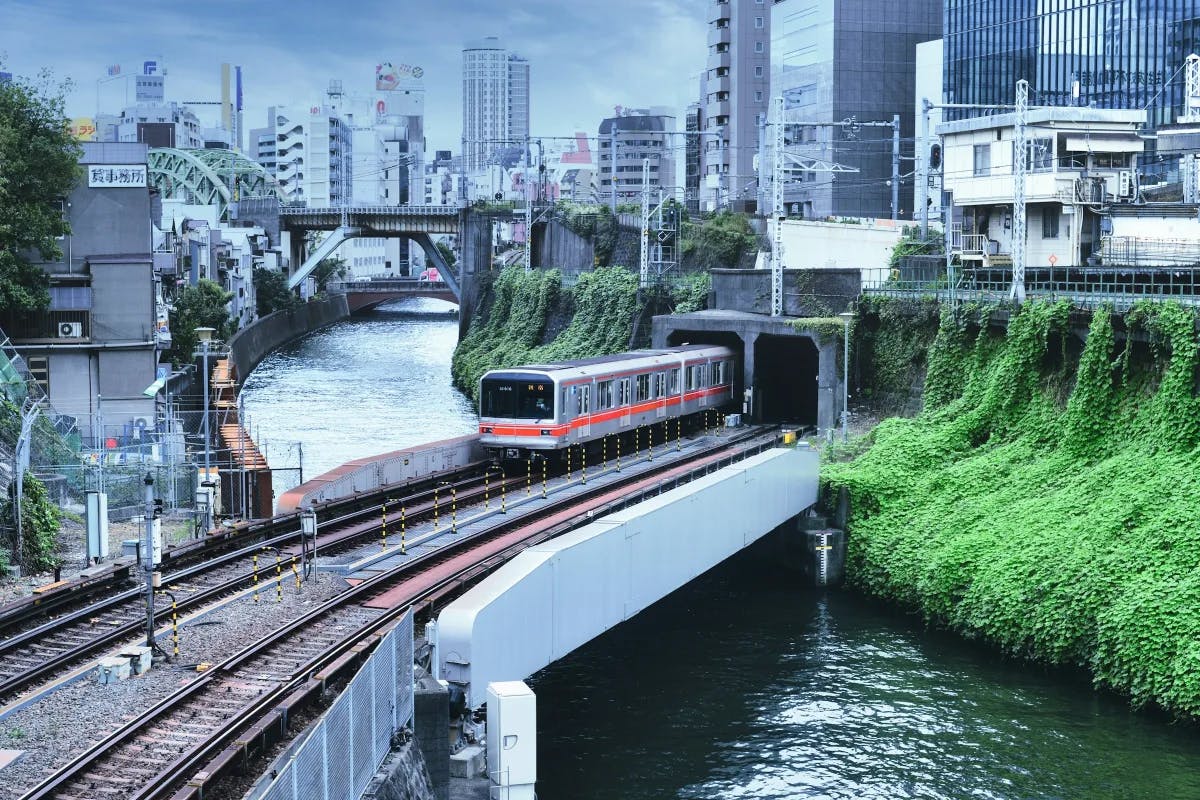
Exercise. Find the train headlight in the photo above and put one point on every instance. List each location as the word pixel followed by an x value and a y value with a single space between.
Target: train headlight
pixel 485 430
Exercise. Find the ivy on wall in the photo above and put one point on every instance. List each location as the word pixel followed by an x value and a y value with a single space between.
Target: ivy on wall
pixel 1047 500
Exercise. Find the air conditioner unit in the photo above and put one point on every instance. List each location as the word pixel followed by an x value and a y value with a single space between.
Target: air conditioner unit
pixel 70 330
pixel 140 426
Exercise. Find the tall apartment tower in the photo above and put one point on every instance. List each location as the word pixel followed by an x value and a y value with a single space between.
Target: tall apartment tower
pixel 495 100
pixel 735 87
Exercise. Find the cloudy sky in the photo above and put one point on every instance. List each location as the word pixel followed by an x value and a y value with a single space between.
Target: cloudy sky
pixel 586 56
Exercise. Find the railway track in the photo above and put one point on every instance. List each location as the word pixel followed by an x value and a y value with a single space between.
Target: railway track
pixel 197 732
pixel 39 653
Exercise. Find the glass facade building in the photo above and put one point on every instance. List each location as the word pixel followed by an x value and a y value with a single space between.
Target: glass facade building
pixel 1104 53
pixel 851 62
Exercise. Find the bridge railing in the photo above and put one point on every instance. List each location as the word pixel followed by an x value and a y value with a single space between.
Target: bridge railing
pixel 391 285
pixel 298 210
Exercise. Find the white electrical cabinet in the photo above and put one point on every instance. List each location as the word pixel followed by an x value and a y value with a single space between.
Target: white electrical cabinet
pixel 511 740
pixel 97 526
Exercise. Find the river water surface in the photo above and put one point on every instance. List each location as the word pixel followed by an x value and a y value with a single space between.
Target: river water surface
pixel 742 684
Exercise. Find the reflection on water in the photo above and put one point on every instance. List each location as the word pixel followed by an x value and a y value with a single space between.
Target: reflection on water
pixel 360 387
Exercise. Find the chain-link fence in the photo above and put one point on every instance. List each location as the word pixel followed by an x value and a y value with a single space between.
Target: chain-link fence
pixel 347 745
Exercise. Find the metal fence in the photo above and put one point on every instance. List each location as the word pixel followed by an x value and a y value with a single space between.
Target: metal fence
pixel 347 745
pixel 1085 287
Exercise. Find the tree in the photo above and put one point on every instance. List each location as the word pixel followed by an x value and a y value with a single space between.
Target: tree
pixel 719 241
pixel 39 163
pixel 201 306
pixel 328 268
pixel 271 293
pixel 447 253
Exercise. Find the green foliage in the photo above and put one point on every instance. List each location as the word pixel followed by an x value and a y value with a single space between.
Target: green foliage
pixel 718 241
pixel 1046 503
pixel 892 337
pixel 447 253
pixel 39 163
pixel 199 306
pixel 912 244
pixel 594 223
pixel 510 331
pixel 39 524
pixel 690 293
pixel 327 269
pixel 271 292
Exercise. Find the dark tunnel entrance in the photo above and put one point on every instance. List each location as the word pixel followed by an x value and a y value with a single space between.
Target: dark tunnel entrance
pixel 725 338
pixel 786 379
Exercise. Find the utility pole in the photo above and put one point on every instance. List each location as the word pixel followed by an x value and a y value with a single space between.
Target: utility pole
pixel 921 192
pixel 644 256
pixel 148 560
pixel 762 164
pixel 1019 167
pixel 895 167
pixel 777 212
pixel 612 154
pixel 528 209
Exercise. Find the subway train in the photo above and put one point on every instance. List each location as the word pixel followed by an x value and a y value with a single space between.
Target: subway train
pixel 540 410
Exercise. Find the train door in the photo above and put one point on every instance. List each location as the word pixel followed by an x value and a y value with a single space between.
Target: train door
pixel 660 392
pixel 585 412
pixel 623 401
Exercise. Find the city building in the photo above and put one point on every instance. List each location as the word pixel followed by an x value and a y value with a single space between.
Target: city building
pixel 1100 53
pixel 313 154
pixel 693 169
pixel 638 134
pixel 443 180
pixel 495 98
pixel 734 92
pixel 1080 164
pixel 848 68
pixel 156 124
pixel 95 350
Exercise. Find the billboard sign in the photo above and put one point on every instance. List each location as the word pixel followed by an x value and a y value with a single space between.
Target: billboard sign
pixel 116 176
pixel 389 77
pixel 83 129
pixel 149 67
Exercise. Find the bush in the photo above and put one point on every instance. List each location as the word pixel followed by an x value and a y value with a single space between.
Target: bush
pixel 40 521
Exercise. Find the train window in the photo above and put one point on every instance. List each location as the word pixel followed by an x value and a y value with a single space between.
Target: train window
pixel 689 378
pixel 643 388
pixel 623 398
pixel 512 399
pixel 585 399
pixel 604 395
pixel 660 384
pixel 564 402
pixel 673 383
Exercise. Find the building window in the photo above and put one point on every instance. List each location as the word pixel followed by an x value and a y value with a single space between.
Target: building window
pixel 758 96
pixel 758 72
pixel 759 47
pixel 983 160
pixel 39 370
pixel 758 22
pixel 1050 220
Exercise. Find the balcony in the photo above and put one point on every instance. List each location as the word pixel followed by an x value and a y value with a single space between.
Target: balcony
pixel 718 10
pixel 58 326
pixel 721 84
pixel 719 35
pixel 720 60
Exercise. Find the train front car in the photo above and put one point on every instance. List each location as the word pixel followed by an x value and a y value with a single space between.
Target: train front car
pixel 517 415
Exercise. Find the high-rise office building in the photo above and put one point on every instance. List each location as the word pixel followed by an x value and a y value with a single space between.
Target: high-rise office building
pixel 495 101
pixel 1104 53
pixel 838 65
pixel 313 154
pixel 734 95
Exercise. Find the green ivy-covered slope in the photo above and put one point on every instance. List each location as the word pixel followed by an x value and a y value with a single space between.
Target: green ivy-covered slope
pixel 1048 500
pixel 510 331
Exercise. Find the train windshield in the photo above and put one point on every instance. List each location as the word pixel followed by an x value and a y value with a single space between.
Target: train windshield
pixel 509 399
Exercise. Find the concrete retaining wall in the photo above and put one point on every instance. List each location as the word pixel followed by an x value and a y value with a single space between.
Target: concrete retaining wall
pixel 558 247
pixel 252 344
pixel 374 472
pixel 806 292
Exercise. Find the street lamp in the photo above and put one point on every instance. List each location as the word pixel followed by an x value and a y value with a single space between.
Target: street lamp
pixel 846 317
pixel 205 335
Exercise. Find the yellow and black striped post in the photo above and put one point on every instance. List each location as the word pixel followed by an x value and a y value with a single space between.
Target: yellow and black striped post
pixel 679 433
pixel 403 546
pixel 650 439
pixel 278 578
pixel 255 559
pixel 637 440
pixel 295 572
pixel 529 476
pixel 435 506
pixel 618 440
pixel 503 493
pixel 544 462
pixel 604 453
pixel 383 527
pixel 583 458
pixel 720 422
pixel 569 449
pixel 487 489
pixel 454 509
pixel 174 627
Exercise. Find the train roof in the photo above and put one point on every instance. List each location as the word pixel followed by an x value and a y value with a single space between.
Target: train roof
pixel 581 365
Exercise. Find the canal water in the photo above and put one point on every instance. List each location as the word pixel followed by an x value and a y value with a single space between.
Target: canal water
pixel 742 684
